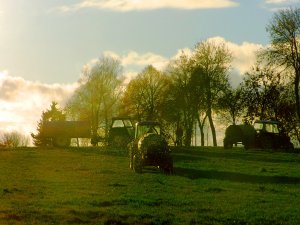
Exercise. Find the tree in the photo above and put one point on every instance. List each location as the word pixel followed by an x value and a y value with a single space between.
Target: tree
pixel 52 114
pixel 262 90
pixel 183 96
pixel 284 31
pixel 146 94
pixel 231 103
pixel 96 99
pixel 14 139
pixel 211 63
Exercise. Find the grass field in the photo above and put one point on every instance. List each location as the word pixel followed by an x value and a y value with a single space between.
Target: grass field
pixel 96 186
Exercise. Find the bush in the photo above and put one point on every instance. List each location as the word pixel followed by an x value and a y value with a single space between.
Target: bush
pixel 14 139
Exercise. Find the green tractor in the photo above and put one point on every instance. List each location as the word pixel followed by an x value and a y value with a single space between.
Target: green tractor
pixel 121 132
pixel 263 134
pixel 150 148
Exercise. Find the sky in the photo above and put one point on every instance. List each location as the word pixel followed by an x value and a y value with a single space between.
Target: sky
pixel 44 45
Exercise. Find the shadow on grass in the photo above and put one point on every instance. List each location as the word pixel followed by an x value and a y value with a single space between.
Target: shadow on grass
pixel 198 153
pixel 234 177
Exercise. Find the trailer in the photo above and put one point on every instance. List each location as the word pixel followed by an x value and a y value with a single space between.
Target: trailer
pixel 61 132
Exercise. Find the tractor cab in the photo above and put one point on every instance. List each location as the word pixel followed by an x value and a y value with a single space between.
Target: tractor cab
pixel 121 132
pixel 148 127
pixel 261 126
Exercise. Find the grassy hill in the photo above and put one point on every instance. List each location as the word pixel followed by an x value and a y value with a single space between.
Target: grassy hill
pixel 96 186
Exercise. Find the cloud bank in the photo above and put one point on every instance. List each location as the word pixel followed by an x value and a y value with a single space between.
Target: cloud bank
pixel 244 56
pixel 136 5
pixel 22 102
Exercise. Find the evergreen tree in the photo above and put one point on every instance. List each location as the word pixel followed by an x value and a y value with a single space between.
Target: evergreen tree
pixel 52 114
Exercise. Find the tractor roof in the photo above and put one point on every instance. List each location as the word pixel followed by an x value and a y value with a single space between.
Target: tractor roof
pixel 148 123
pixel 267 121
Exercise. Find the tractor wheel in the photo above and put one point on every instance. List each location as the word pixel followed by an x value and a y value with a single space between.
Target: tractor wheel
pixel 227 144
pixel 267 143
pixel 168 168
pixel 119 141
pixel 137 163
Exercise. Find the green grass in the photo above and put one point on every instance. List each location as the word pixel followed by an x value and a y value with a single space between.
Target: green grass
pixel 96 186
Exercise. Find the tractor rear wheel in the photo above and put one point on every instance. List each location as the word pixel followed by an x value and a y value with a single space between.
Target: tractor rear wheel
pixel 267 143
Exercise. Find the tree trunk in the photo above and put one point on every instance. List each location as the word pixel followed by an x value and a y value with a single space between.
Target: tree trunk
pixel 212 127
pixel 188 137
pixel 201 128
pixel 297 78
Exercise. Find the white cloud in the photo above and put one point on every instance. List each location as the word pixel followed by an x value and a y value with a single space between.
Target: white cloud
pixel 135 5
pixel 22 102
pixel 134 58
pixel 281 1
pixel 276 5
pixel 244 57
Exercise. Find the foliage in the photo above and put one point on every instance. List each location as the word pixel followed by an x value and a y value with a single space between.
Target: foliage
pixel 182 95
pixel 52 114
pixel 230 105
pixel 211 66
pixel 14 139
pixel 145 95
pixel 263 91
pixel 284 31
pixel 96 99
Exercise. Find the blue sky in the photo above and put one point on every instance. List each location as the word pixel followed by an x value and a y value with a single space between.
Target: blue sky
pixel 45 44
pixel 50 40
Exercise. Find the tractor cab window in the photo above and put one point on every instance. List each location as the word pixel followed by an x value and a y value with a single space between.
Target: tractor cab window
pixel 127 123
pixel 266 127
pixel 148 129
pixel 118 123
pixel 258 126
pixel 272 128
pixel 154 129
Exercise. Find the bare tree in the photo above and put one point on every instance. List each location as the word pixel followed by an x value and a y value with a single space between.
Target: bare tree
pixel 14 139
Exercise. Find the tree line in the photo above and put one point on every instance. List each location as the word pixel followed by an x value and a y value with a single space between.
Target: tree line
pixel 195 88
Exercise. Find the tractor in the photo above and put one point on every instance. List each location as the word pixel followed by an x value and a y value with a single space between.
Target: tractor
pixel 150 148
pixel 121 132
pixel 263 134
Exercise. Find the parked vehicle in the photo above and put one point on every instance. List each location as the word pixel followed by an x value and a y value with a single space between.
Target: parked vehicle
pixel 262 134
pixel 61 132
pixel 121 132
pixel 150 148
